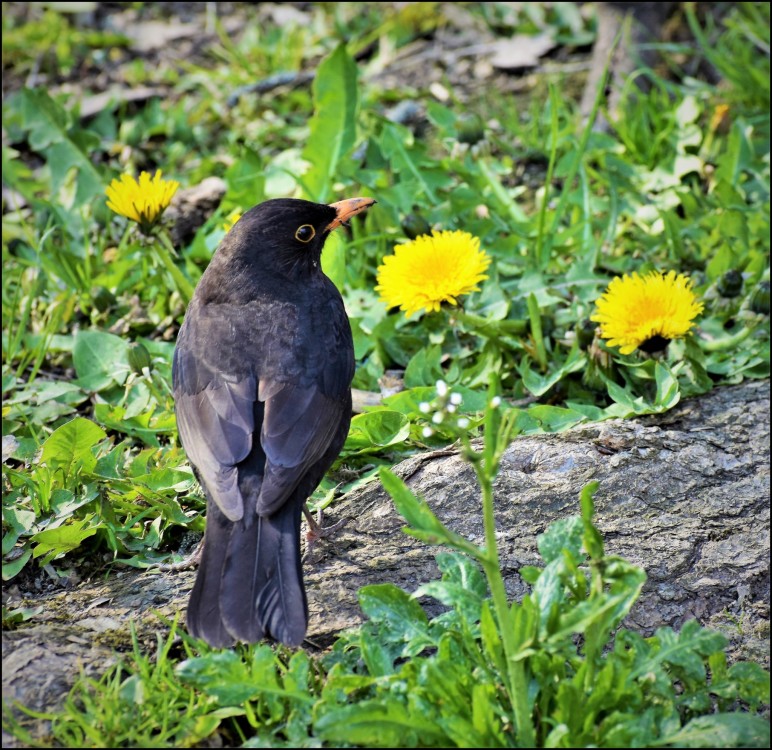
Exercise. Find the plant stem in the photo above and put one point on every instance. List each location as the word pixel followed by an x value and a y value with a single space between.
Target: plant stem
pixel 518 684
pixel 726 342
pixel 164 254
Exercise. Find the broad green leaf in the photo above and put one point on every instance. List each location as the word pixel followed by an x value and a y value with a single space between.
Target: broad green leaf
pixel 100 359
pixel 69 446
pixel 166 479
pixel 668 393
pixel 144 426
pixel 402 619
pixel 722 730
pixel 333 126
pixel 12 569
pixel 407 401
pixel 555 418
pixel 377 429
pixel 377 657
pixel 424 368
pixel 65 148
pixel 18 521
pixel 462 587
pixel 385 722
pixel 540 384
pixel 55 542
pixel 334 259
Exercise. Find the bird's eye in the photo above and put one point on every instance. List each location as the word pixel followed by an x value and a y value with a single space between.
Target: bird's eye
pixel 305 233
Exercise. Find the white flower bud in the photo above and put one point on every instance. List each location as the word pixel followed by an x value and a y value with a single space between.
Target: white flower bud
pixel 438 417
pixel 424 407
pixel 455 398
pixel 496 402
pixel 427 432
pixel 463 422
pixel 450 408
pixel 442 388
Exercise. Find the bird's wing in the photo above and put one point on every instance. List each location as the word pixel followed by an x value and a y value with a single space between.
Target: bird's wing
pixel 216 422
pixel 298 416
pixel 300 423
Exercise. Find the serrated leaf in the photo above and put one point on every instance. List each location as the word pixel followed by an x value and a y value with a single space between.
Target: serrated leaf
pixel 388 603
pixel 564 534
pixel 424 524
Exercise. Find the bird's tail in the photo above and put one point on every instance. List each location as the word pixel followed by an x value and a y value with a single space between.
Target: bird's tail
pixel 250 584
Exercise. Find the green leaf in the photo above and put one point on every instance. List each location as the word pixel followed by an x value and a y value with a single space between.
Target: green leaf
pixel 564 534
pixel 538 385
pixel 12 569
pixel 393 141
pixel 404 617
pixel 55 542
pixel 18 521
pixel 462 587
pixel 333 126
pixel 65 149
pixel 668 393
pixel 384 722
pixel 424 368
pixel 223 675
pixel 377 429
pixel 593 541
pixel 100 359
pixel 69 447
pixel 334 260
pixel 722 730
pixel 555 418
pixel 424 524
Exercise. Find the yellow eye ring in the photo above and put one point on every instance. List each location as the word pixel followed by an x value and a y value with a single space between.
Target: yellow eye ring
pixel 305 233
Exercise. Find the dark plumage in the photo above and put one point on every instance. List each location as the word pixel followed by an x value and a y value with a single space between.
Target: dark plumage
pixel 262 385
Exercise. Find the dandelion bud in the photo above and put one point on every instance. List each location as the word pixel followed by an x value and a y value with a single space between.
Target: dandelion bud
pixel 760 298
pixel 731 283
pixel 139 357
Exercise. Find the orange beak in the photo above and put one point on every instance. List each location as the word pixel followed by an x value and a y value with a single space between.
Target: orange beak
pixel 348 208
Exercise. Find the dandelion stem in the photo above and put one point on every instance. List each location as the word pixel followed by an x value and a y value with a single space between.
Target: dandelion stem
pixel 536 331
pixel 165 253
pixel 727 342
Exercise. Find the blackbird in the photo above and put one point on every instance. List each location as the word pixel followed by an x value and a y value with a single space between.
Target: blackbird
pixel 262 387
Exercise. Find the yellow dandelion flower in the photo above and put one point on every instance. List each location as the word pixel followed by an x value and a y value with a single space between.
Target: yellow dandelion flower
pixel 142 200
pixel 230 220
pixel 430 270
pixel 646 312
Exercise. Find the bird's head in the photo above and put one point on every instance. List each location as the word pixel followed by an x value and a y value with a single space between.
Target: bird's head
pixel 286 235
